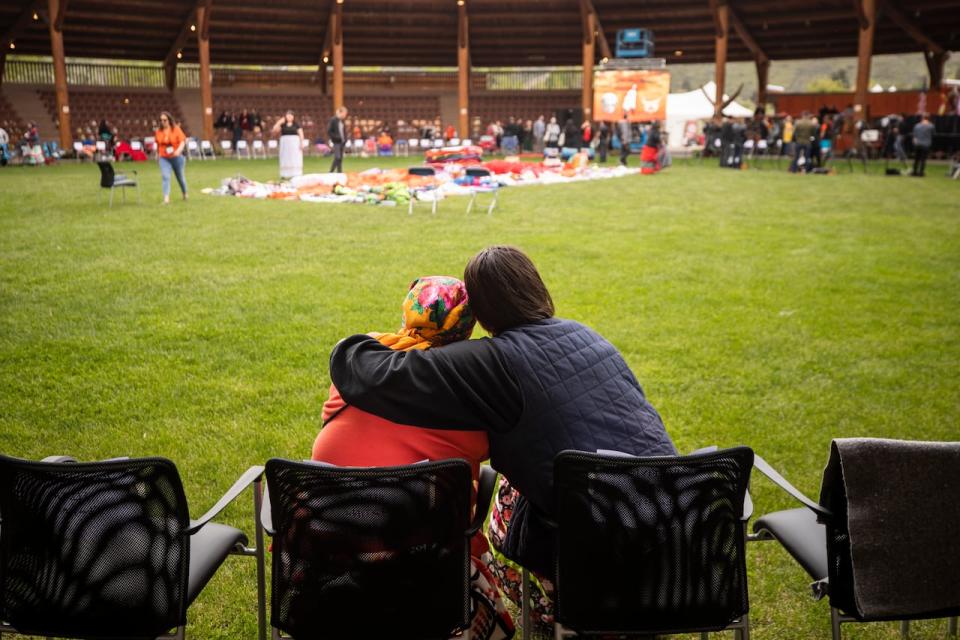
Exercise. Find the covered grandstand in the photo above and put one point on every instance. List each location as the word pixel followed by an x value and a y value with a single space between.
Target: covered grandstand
pixel 477 58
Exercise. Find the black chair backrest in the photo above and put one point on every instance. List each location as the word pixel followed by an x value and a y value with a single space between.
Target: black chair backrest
pixel 93 550
pixel 361 553
pixel 422 171
pixel 478 172
pixel 650 545
pixel 106 174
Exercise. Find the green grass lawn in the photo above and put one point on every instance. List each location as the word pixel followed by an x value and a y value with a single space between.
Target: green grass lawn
pixel 755 307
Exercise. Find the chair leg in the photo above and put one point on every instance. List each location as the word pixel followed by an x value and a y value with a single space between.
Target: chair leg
pixel 493 203
pixel 835 623
pixel 904 629
pixel 473 198
pixel 261 572
pixel 433 210
pixel 525 603
pixel 744 632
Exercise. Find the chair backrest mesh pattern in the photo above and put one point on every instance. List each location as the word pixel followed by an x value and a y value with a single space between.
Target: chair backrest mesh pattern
pixel 106 174
pixel 361 553
pixel 651 545
pixel 93 550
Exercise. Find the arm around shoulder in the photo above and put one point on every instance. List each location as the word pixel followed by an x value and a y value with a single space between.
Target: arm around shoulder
pixel 465 385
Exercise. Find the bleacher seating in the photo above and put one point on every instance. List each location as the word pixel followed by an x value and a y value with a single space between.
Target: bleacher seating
pixel 135 114
pixel 11 121
pixel 526 105
pixel 404 115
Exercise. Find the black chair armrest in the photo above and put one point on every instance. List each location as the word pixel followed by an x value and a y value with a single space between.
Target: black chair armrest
pixel 486 486
pixel 60 459
pixel 764 467
pixel 249 477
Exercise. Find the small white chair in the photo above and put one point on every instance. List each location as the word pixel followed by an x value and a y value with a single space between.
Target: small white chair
pixel 425 143
pixel 305 146
pixel 438 144
pixel 206 150
pixel 193 149
pixel 466 142
pixel 402 148
pixel 78 151
pixel 150 143
pixel 243 149
pixel 454 142
pixel 258 149
pixel 272 146
pixel 226 146
pixel 136 145
pixel 413 143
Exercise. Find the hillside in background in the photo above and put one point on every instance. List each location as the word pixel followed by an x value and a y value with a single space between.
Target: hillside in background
pixel 905 71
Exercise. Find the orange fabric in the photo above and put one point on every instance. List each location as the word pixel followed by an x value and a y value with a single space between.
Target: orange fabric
pixel 172 137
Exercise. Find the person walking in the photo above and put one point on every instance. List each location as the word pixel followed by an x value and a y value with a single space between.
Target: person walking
pixel 539 130
pixel 625 133
pixel 291 146
pixel 922 141
pixel 337 132
pixel 170 143
pixel 603 140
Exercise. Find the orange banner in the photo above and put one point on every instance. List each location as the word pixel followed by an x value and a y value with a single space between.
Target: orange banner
pixel 642 95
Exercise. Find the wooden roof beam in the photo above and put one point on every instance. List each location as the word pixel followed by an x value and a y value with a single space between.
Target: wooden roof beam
pixel 325 50
pixel 758 53
pixel 188 27
pixel 586 10
pixel 912 28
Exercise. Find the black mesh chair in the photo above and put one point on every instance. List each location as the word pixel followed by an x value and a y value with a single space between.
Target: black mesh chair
pixel 107 549
pixel 817 535
pixel 370 552
pixel 109 179
pixel 651 545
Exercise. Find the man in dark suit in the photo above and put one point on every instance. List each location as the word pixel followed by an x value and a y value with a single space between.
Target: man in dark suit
pixel 337 132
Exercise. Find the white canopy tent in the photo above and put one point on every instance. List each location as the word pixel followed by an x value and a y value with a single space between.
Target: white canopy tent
pixel 693 106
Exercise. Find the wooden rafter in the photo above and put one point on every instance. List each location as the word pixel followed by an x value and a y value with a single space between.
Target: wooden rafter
pixel 183 35
pixel 61 16
pixel 587 8
pixel 758 53
pixel 912 29
pixel 327 39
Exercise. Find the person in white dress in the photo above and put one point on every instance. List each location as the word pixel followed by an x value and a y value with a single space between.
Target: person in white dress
pixel 291 146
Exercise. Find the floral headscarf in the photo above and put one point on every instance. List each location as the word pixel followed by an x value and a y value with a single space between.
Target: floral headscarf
pixel 436 311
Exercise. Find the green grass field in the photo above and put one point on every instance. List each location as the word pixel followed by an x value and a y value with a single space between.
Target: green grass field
pixel 755 307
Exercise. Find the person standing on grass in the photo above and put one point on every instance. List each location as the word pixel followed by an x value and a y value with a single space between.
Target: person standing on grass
pixel 922 141
pixel 625 133
pixel 539 130
pixel 337 132
pixel 291 146
pixel 171 141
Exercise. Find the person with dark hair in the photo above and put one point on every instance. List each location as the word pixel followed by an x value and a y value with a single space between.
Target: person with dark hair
pixel 170 143
pixel 625 134
pixel 603 140
pixel 922 141
pixel 291 145
pixel 540 385
pixel 337 133
pixel 650 154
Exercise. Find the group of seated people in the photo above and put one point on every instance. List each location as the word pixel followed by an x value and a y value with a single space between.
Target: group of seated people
pixel 538 386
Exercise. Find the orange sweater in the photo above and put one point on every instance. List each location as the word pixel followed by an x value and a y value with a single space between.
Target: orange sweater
pixel 169 139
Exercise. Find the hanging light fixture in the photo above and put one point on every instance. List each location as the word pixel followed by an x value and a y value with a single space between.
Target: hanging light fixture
pixel 35 16
pixel 179 55
pixel 193 27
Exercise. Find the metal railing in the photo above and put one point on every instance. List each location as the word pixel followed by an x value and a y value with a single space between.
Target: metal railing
pixel 151 75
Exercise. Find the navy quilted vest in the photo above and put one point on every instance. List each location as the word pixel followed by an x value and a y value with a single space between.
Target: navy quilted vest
pixel 578 394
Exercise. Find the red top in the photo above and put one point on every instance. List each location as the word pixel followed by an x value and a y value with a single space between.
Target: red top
pixel 355 438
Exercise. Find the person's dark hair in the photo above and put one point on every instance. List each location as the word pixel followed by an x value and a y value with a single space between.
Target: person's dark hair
pixel 505 289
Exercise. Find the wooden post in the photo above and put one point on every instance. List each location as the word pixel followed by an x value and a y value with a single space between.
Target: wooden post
pixel 336 23
pixel 589 52
pixel 868 23
pixel 763 75
pixel 935 65
pixel 463 70
pixel 206 91
pixel 60 77
pixel 721 15
pixel 3 62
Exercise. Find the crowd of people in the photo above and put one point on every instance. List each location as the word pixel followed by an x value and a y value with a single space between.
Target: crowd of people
pixel 811 141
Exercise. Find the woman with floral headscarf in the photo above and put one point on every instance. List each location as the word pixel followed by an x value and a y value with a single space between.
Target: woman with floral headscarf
pixel 436 312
